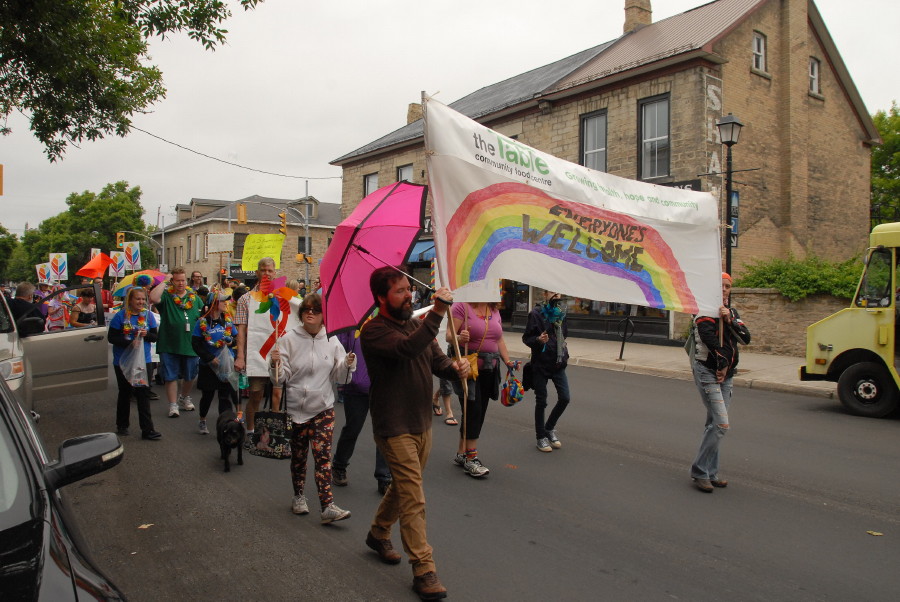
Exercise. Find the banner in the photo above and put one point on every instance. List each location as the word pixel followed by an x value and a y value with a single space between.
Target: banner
pixel 117 267
pixel 220 242
pixel 95 252
pixel 502 209
pixel 44 273
pixel 257 246
pixel 261 333
pixel 132 252
pixel 59 267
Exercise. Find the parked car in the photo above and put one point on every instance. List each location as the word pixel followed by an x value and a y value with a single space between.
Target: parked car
pixel 42 555
pixel 45 365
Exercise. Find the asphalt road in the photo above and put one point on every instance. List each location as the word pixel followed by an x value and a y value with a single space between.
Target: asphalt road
pixel 612 515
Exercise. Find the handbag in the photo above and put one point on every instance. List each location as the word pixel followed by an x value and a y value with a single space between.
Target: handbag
pixel 225 370
pixel 527 376
pixel 472 358
pixel 272 431
pixel 511 392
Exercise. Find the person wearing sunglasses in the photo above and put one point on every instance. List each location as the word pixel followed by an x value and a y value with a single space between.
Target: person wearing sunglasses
pixel 308 362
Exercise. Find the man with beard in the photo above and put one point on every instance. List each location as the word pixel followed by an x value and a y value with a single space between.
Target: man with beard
pixel 402 355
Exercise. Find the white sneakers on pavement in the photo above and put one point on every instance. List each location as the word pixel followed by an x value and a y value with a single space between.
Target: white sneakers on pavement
pixel 173 410
pixel 185 404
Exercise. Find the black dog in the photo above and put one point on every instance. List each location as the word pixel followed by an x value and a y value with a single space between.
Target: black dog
pixel 230 434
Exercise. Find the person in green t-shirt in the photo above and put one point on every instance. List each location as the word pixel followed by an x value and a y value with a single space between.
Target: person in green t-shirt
pixel 179 309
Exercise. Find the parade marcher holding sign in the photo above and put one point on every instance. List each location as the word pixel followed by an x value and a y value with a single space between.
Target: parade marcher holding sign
pixel 179 309
pixel 713 364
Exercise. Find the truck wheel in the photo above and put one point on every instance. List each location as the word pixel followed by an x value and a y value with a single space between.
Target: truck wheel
pixel 867 389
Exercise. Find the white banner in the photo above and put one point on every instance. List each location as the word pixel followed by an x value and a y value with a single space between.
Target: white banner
pixel 261 334
pixel 117 267
pixel 505 210
pixel 94 253
pixel 220 242
pixel 132 252
pixel 44 273
pixel 59 267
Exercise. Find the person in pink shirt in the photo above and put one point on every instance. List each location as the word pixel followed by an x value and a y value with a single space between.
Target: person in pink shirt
pixel 479 331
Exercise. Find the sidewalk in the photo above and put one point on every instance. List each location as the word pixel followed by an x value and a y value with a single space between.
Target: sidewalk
pixel 755 370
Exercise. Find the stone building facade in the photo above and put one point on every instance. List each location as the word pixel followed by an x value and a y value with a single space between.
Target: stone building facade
pixel 802 164
pixel 185 241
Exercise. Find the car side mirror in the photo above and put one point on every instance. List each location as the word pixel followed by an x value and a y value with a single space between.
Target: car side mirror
pixel 82 457
pixel 29 326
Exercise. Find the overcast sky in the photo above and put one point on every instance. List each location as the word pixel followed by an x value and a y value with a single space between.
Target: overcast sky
pixel 301 83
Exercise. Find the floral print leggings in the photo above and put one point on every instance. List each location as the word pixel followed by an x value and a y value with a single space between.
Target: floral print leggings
pixel 318 431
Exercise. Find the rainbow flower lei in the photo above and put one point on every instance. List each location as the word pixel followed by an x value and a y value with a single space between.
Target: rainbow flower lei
pixel 128 327
pixel 225 340
pixel 180 301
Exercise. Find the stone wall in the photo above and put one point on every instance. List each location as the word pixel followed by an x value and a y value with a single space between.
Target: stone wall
pixel 778 325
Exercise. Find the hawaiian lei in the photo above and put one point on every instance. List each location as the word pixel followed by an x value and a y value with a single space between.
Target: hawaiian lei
pixel 128 327
pixel 225 340
pixel 180 301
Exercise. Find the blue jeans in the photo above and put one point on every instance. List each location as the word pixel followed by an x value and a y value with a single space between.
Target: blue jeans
pixel 561 382
pixel 716 397
pixel 356 408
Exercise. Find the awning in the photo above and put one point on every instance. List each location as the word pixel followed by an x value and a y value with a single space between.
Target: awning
pixel 423 251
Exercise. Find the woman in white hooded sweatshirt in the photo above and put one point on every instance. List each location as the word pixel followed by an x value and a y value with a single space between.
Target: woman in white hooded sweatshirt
pixel 308 362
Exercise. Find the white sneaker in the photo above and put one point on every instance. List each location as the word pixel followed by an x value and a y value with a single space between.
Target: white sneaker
pixel 332 513
pixel 555 443
pixel 173 410
pixel 202 428
pixel 543 444
pixel 184 403
pixel 474 468
pixel 300 506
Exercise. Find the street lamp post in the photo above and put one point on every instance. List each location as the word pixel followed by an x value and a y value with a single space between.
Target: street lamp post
pixel 729 132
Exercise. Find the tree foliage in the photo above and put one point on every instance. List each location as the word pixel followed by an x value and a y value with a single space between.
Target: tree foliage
pixel 78 69
pixel 796 279
pixel 91 221
pixel 8 243
pixel 886 167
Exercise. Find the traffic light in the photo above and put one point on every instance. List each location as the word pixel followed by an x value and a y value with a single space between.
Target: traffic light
pixel 303 257
pixel 241 213
pixel 120 240
pixel 283 228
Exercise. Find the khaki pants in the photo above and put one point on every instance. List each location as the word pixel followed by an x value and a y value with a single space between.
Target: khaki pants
pixel 406 456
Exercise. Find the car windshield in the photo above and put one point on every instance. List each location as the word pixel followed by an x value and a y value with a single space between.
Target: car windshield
pixel 15 487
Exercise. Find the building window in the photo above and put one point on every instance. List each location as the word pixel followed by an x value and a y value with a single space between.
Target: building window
pixel 187 257
pixel 405 172
pixel 301 244
pixel 199 251
pixel 814 83
pixel 654 136
pixel 593 140
pixel 759 51
pixel 370 183
pixel 239 239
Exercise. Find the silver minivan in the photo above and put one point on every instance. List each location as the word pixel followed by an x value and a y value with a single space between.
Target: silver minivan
pixel 47 365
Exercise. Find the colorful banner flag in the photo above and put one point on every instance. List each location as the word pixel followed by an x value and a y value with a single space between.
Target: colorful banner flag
pixel 59 266
pixel 117 267
pixel 95 252
pixel 502 209
pixel 44 273
pixel 132 252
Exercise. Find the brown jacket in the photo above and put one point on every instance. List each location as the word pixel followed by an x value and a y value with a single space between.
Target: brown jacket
pixel 401 359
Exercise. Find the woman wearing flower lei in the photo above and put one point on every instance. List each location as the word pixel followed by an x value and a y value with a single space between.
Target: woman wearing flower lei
pixel 214 335
pixel 134 325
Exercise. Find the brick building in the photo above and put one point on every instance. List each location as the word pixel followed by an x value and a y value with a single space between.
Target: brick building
pixel 644 106
pixel 185 241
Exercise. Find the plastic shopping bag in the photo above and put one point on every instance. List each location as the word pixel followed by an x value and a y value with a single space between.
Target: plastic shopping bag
pixel 133 364
pixel 226 371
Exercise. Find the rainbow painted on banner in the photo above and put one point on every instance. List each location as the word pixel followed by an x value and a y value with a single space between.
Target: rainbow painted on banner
pixel 490 221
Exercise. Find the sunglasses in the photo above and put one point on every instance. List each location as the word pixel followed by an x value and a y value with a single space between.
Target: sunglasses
pixel 311 310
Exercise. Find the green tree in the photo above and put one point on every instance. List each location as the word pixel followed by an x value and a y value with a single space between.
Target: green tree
pixel 8 244
pixel 80 68
pixel 91 221
pixel 886 167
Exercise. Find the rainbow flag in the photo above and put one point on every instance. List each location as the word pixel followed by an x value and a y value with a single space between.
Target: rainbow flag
pixel 502 209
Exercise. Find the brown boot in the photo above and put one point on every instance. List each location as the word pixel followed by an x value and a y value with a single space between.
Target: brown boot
pixel 429 587
pixel 385 549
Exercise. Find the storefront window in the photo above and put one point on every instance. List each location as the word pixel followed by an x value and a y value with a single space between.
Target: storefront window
pixel 590 307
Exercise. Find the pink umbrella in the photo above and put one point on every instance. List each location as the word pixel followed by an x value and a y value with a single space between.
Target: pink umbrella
pixel 381 231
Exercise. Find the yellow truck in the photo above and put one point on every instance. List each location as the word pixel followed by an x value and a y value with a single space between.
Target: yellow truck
pixel 856 347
